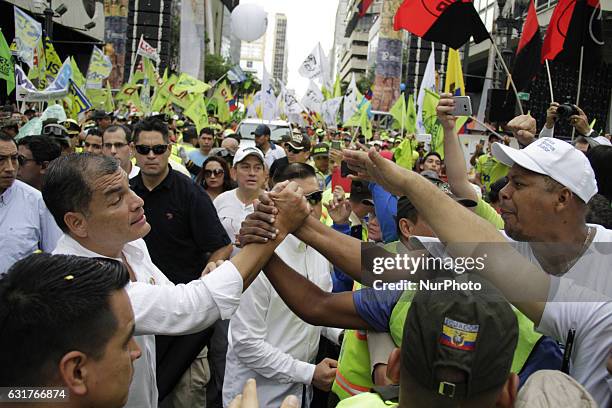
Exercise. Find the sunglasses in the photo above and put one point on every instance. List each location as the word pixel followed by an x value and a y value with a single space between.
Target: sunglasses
pixel 315 197
pixel 157 149
pixel 215 172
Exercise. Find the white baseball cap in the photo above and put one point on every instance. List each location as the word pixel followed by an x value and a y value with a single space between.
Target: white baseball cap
pixel 245 152
pixel 555 158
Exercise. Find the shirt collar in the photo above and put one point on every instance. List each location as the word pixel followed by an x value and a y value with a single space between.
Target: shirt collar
pixel 167 182
pixel 68 244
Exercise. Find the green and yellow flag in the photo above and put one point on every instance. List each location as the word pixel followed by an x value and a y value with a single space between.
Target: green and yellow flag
pixel 411 116
pixel 190 84
pixel 77 75
pixel 222 96
pixel 398 111
pixel 337 88
pixel 198 113
pixel 7 68
pixel 364 122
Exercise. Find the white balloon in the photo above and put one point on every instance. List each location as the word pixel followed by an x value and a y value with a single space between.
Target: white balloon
pixel 249 22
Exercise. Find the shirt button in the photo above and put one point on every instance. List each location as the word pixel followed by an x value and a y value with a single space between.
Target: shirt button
pixel 152 280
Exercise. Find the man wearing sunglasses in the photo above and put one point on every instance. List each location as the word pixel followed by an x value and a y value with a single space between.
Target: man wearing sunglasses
pixel 267 341
pixel 25 223
pixel 35 154
pixel 185 234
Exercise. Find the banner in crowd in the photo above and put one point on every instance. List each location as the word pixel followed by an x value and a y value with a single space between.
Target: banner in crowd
pixel 100 67
pixel 26 91
pixel 28 33
pixel 388 73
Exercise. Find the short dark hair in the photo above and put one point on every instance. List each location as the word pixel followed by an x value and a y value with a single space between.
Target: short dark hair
pixel 406 210
pixel 432 154
pixel 151 125
pixel 6 138
pixel 189 133
pixel 126 130
pixel 29 112
pixel 53 304
pixel 294 171
pixel 67 183
pixel 207 131
pixel 43 148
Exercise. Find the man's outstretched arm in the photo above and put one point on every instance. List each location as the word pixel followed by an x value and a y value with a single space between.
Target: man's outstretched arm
pixel 311 303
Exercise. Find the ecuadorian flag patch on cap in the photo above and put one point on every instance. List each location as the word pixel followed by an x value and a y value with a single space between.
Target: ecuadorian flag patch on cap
pixel 460 336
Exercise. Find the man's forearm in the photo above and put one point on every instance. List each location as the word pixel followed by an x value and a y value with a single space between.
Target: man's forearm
pixel 252 258
pixel 455 167
pixel 311 303
pixel 221 254
pixel 341 250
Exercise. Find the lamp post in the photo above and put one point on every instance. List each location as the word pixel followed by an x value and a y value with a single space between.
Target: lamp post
pixel 49 13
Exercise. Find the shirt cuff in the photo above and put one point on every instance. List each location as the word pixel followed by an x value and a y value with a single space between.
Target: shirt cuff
pixel 304 372
pixel 225 285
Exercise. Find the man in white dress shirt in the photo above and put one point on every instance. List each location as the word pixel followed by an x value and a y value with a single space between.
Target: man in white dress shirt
pixel 25 223
pixel 267 341
pixel 100 216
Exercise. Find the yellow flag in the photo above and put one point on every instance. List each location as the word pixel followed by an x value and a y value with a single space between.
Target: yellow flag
pixel 52 61
pixel 77 75
pixel 190 84
pixel 198 113
pixel 398 111
pixel 454 75
pixel 337 89
pixel 364 122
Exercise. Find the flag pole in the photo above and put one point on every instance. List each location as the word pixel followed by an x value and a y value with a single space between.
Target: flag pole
pixel 509 75
pixel 579 85
pixel 552 97
pixel 486 127
pixel 580 74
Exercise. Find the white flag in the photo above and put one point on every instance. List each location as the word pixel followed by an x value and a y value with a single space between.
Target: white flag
pixel 147 51
pixel 428 82
pixel 330 111
pixel 313 99
pixel 351 100
pixel 27 35
pixel 312 67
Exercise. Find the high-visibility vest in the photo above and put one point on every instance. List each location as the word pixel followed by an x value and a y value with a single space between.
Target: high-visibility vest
pixel 353 373
pixel 366 400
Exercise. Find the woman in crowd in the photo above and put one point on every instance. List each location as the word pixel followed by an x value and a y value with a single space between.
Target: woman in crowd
pixel 215 177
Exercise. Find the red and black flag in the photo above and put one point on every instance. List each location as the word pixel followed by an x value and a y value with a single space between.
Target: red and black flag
pixel 527 62
pixel 450 22
pixel 574 24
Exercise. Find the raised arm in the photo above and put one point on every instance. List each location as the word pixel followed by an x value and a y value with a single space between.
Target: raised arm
pixel 453 154
pixel 522 282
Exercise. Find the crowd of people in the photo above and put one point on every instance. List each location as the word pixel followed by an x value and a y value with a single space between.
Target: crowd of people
pixel 145 263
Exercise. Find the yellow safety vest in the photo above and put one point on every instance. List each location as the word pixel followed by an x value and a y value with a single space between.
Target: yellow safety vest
pixel 366 400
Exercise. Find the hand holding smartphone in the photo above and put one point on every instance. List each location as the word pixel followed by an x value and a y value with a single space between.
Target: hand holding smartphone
pixel 463 106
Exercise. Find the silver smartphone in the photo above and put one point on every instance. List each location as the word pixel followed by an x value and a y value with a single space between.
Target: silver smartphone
pixel 463 106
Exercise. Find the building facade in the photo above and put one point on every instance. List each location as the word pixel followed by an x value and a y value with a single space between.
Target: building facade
pixel 280 52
